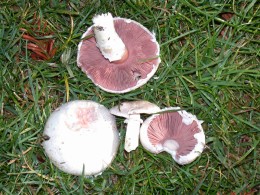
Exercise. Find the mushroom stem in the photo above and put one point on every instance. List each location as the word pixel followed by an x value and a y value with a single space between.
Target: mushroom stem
pixel 132 132
pixel 109 43
pixel 171 145
pixel 131 111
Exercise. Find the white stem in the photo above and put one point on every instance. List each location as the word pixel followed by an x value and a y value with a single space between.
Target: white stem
pixel 132 132
pixel 108 41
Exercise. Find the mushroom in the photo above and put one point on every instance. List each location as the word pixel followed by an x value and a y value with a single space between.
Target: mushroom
pixel 118 54
pixel 176 132
pixel 81 138
pixel 131 111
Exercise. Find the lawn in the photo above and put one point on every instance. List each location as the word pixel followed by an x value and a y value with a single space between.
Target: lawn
pixel 210 67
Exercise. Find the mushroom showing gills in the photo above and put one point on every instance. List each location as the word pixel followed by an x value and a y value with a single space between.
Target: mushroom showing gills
pixel 81 138
pixel 176 132
pixel 131 111
pixel 118 54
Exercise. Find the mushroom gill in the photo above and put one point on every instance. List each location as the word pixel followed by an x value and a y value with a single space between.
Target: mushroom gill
pixel 168 130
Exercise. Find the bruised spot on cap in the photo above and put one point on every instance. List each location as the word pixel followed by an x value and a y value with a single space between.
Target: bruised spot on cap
pixel 83 118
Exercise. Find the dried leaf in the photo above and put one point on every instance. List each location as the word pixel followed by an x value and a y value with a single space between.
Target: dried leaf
pixel 227 15
pixel 42 49
pixel 29 38
pixel 39 56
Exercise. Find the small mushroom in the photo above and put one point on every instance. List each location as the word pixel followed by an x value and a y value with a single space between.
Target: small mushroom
pixel 131 111
pixel 176 132
pixel 81 138
pixel 119 54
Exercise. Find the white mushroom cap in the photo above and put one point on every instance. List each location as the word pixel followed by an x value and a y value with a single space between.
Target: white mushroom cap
pixel 176 132
pixel 81 134
pixel 126 109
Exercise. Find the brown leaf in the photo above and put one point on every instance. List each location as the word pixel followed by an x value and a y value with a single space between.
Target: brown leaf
pixel 40 158
pixel 50 45
pixel 223 33
pixel 29 38
pixel 39 56
pixel 42 49
pixel 227 15
pixel 52 53
pixel 34 47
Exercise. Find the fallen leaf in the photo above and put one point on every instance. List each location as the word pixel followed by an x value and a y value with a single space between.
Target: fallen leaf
pixel 227 15
pixel 41 49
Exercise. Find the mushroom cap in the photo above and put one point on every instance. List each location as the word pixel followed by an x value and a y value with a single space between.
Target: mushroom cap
pixel 134 107
pixel 177 132
pixel 134 71
pixel 81 134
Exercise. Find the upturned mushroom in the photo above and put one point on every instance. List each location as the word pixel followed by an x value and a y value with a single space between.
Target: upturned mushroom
pixel 118 55
pixel 131 111
pixel 176 132
pixel 81 138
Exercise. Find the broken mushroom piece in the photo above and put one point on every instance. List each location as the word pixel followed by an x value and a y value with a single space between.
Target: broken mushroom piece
pixel 131 111
pixel 81 138
pixel 176 132
pixel 118 54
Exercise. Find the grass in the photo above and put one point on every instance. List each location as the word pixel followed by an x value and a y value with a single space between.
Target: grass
pixel 215 77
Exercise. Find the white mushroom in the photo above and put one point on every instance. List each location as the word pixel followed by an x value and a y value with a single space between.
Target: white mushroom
pixel 118 54
pixel 81 138
pixel 131 111
pixel 176 132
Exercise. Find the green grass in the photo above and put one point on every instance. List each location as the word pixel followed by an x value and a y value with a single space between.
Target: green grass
pixel 215 78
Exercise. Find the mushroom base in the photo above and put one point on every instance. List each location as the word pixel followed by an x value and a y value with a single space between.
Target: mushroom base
pixel 171 145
